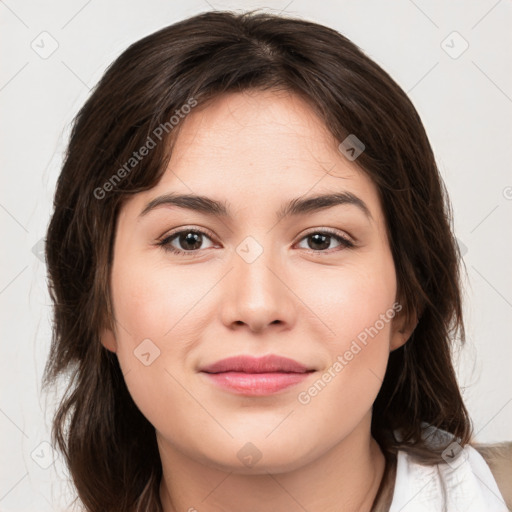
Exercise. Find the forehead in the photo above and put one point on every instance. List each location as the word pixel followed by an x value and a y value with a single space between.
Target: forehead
pixel 258 147
pixel 273 130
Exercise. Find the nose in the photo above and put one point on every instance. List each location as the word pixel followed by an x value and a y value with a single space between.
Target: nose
pixel 256 293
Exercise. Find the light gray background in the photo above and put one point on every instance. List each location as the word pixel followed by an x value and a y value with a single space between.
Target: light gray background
pixel 464 99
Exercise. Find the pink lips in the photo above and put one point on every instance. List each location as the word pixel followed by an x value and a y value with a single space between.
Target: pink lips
pixel 256 376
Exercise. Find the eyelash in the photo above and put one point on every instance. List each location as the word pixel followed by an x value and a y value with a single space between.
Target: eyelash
pixel 165 243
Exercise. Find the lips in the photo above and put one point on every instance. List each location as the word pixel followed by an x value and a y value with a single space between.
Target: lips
pixel 251 376
pixel 266 364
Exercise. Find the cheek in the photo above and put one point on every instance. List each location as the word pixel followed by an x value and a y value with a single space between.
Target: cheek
pixel 157 321
pixel 351 297
pixel 358 306
pixel 151 299
pixel 344 391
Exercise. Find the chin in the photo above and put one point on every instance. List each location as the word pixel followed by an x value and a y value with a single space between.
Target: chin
pixel 253 456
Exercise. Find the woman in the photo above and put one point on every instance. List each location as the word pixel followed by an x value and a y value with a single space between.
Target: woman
pixel 256 284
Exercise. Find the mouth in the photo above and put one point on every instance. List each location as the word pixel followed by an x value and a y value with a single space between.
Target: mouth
pixel 252 376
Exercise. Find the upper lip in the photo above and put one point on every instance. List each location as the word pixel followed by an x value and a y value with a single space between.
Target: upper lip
pixel 248 364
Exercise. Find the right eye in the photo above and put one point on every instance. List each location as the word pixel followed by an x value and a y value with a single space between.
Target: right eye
pixel 189 239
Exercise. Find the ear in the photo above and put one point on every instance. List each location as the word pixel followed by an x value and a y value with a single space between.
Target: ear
pixel 108 339
pixel 402 327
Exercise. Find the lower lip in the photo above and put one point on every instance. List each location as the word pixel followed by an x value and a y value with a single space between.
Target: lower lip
pixel 256 384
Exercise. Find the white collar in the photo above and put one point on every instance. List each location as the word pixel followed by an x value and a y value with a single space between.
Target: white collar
pixel 463 484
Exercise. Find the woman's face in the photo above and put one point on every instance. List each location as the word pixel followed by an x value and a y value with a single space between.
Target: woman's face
pixel 263 278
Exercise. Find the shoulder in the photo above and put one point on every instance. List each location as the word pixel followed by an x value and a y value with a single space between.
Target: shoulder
pixel 498 457
pixel 463 481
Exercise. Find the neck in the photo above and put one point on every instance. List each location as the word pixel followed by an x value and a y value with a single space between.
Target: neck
pixel 346 477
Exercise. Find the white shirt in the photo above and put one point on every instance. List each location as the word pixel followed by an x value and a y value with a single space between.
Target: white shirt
pixel 465 484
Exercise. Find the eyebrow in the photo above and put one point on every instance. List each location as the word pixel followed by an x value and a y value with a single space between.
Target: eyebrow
pixel 294 207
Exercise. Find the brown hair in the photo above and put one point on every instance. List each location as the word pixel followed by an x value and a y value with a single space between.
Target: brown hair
pixel 109 446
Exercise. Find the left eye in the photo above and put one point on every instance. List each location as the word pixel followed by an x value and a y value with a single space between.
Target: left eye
pixel 323 239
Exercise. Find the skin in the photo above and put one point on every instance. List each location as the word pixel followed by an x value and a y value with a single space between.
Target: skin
pixel 256 150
